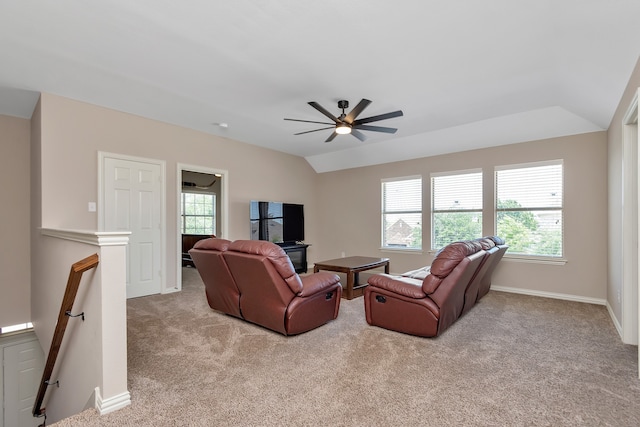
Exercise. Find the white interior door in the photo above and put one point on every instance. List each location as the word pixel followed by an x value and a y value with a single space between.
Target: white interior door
pixel 133 202
pixel 23 366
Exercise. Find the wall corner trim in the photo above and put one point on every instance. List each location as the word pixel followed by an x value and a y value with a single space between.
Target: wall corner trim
pixel 615 321
pixel 96 238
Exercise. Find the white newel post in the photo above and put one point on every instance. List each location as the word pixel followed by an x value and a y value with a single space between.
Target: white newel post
pixel 113 394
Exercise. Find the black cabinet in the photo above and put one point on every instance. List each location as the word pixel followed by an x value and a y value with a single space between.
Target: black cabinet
pixel 298 256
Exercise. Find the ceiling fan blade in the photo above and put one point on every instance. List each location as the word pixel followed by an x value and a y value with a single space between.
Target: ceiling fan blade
pixel 361 136
pixel 379 117
pixel 374 128
pixel 315 130
pixel 309 121
pixel 333 135
pixel 324 111
pixel 357 110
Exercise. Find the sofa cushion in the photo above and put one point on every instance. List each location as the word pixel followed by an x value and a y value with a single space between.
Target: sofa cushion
pixel 497 240
pixel 276 255
pixel 405 286
pixel 316 282
pixel 419 273
pixel 448 258
pixel 212 244
pixel 486 243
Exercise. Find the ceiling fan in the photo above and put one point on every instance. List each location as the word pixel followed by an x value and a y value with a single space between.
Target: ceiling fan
pixel 349 123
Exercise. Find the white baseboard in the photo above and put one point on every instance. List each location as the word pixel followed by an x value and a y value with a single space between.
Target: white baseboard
pixel 111 404
pixel 615 321
pixel 553 295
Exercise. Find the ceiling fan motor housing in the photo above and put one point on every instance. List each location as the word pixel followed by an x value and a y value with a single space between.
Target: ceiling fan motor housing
pixel 349 123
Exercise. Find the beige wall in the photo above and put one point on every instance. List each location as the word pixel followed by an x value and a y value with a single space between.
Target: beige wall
pixel 14 221
pixel 349 216
pixel 342 208
pixel 616 160
pixel 73 132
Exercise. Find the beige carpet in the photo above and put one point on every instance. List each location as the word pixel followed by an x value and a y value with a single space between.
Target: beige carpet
pixel 513 360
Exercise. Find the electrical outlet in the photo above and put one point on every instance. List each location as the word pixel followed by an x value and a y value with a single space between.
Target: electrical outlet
pixel 92 206
pixel 619 297
pixel 343 254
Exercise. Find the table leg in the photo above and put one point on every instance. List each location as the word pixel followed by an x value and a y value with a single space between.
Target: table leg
pixel 350 282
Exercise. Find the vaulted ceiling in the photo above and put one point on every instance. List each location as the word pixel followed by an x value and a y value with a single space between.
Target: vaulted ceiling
pixel 467 74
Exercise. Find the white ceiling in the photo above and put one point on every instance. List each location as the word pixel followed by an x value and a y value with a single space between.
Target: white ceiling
pixel 467 74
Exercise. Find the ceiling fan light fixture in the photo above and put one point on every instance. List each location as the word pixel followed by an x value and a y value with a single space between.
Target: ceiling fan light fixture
pixel 343 129
pixel 346 124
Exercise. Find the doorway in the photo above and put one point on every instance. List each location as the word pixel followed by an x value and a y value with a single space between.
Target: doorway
pixel 202 209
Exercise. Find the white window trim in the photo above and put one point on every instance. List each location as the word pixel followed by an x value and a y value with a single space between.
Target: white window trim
pixel 457 172
pixel 382 212
pixel 182 216
pixel 530 165
pixel 536 259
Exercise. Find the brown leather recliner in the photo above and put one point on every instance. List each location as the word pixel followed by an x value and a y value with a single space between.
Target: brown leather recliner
pixel 271 293
pixel 424 307
pixel 221 290
pixel 496 255
pixel 471 294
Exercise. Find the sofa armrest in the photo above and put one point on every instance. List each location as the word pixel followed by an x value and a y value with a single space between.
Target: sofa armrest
pixel 317 282
pixel 406 286
pixel 420 273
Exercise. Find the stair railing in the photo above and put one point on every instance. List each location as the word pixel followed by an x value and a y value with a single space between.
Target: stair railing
pixel 77 269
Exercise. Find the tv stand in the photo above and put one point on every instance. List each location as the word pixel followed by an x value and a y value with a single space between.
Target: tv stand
pixel 297 254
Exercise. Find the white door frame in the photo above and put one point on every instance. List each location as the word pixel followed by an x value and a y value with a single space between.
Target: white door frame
pixel 223 232
pixel 630 226
pixel 163 204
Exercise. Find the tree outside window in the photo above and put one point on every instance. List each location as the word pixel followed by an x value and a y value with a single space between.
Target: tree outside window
pixel 529 208
pixel 198 213
pixel 456 207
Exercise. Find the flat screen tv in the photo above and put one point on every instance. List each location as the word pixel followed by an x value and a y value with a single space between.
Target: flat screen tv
pixel 281 223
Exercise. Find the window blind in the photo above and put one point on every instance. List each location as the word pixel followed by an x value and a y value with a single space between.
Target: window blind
pixel 402 213
pixel 529 208
pixel 456 208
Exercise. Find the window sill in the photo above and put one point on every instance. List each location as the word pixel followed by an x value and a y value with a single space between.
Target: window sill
pixel 401 250
pixel 535 259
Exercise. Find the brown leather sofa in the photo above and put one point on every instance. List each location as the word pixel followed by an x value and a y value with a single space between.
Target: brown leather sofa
pixel 496 255
pixel 256 281
pixel 480 284
pixel 425 302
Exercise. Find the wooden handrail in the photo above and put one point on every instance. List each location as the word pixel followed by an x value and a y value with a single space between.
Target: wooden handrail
pixel 63 317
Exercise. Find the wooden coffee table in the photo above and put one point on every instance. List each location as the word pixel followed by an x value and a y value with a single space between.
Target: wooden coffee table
pixel 352 265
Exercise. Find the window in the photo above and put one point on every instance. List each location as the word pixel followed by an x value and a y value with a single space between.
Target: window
pixel 529 208
pixel 402 213
pixel 14 328
pixel 198 214
pixel 456 208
